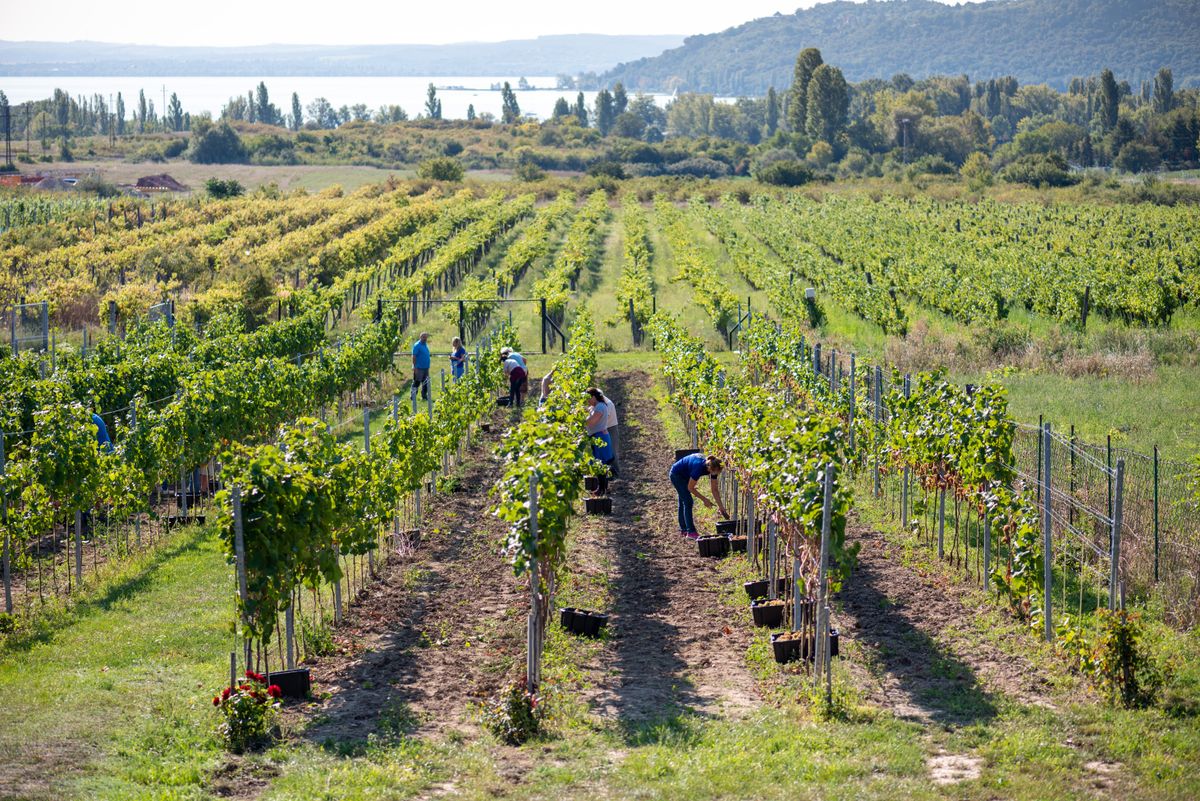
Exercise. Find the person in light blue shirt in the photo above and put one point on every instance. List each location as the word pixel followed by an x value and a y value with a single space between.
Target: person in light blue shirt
pixel 421 362
pixel 509 353
pixel 684 475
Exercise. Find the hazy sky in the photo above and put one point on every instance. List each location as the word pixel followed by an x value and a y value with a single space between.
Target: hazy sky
pixel 244 22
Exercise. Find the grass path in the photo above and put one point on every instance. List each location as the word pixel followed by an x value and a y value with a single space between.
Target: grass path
pixel 117 700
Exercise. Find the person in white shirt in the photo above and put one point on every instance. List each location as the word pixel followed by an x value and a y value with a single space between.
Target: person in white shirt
pixel 613 435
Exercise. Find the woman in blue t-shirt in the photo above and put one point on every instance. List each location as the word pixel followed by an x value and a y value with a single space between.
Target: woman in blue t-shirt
pixel 458 359
pixel 684 475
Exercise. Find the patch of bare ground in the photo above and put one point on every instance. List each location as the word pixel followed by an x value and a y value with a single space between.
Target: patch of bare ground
pixel 671 648
pixel 439 630
pixel 33 769
pixel 918 666
pixel 240 778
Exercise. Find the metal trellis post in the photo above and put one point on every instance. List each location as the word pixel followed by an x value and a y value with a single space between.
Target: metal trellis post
pixel 1047 539
pixel 1115 571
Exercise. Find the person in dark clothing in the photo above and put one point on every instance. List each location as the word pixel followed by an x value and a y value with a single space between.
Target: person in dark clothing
pixel 684 477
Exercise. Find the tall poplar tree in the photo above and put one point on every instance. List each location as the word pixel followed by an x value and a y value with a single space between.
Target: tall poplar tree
pixel 604 112
pixel 1110 100
pixel 828 103
pixel 510 110
pixel 1164 91
pixel 806 64
pixel 297 113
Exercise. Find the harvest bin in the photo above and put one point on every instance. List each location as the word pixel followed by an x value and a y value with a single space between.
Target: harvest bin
pixel 767 613
pixel 292 683
pixel 737 544
pixel 758 589
pixel 598 506
pixel 583 622
pixel 682 452
pixel 566 618
pixel 713 546
pixel 789 648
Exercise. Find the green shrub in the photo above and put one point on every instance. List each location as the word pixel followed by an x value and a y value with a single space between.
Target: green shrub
pixel 217 144
pixel 222 189
pixel 784 173
pixel 175 147
pixel 607 169
pixel 528 171
pixel 441 169
pixel 1137 157
pixel 1039 170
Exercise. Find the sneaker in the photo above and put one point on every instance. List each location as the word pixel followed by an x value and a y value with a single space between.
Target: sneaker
pixel 683 533
pixel 692 535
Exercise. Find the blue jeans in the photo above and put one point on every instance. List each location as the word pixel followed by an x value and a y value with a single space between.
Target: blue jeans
pixel 685 503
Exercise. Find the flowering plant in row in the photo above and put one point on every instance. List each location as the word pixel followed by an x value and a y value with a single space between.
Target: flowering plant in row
pixel 250 710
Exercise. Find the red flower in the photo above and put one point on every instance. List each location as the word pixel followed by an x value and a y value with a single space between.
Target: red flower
pixel 274 691
pixel 216 701
pixel 226 692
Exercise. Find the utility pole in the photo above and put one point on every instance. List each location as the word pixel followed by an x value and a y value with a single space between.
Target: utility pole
pixel 904 137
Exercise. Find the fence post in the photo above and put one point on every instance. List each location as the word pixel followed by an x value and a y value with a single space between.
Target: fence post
pixel 905 482
pixel 45 325
pixel 289 626
pixel 367 451
pixel 878 423
pixel 1155 513
pixel 239 551
pixel 1108 463
pixel 8 602
pixel 1114 579
pixel 531 655
pixel 823 661
pixel 1041 442
pixel 941 523
pixel 987 549
pixel 78 548
pixel 772 570
pixel 853 400
pixel 1047 539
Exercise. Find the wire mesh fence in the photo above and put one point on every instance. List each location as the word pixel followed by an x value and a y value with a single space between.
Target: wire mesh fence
pixel 1153 500
pixel 28 327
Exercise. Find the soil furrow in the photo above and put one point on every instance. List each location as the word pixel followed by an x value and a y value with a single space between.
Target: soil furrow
pixel 671 649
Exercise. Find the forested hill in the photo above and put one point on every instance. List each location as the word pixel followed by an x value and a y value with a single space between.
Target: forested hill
pixel 1037 41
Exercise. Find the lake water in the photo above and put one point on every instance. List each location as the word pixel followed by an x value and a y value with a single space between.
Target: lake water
pixel 199 94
